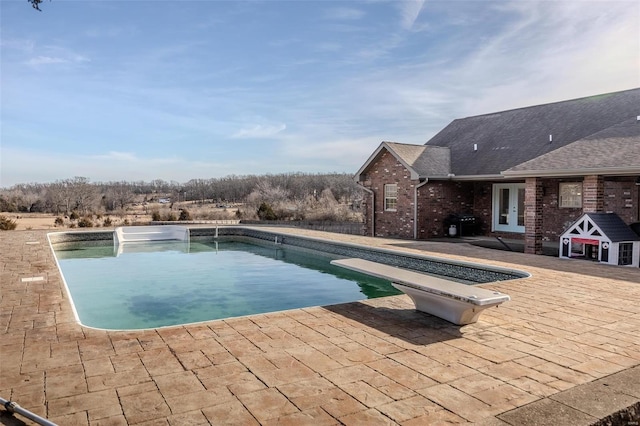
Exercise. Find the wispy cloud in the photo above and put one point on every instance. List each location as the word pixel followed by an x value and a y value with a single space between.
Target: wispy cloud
pixel 344 13
pixel 260 131
pixel 409 12
pixel 51 55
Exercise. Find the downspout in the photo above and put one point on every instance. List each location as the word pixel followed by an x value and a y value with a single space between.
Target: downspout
pixel 373 208
pixel 415 208
pixel 12 407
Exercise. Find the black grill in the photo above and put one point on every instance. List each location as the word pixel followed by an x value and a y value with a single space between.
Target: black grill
pixel 465 224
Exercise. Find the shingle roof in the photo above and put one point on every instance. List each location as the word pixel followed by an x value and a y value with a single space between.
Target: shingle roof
pixel 613 227
pixel 425 160
pixel 422 161
pixel 615 149
pixel 508 138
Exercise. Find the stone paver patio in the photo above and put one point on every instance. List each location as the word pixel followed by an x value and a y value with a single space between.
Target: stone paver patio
pixel 565 350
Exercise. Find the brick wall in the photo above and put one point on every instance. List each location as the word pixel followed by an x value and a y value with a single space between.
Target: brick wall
pixel 533 214
pixel 622 196
pixel 386 169
pixel 593 194
pixel 439 199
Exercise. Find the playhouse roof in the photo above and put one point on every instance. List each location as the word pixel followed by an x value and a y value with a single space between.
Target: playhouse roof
pixel 609 225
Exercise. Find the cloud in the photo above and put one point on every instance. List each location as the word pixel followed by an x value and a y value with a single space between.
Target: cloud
pixel 45 60
pixel 409 11
pixel 55 55
pixel 260 131
pixel 344 13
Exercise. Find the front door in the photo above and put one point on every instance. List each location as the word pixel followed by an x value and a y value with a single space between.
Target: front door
pixel 508 207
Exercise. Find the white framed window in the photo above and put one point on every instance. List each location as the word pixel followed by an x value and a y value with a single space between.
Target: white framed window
pixel 390 197
pixel 570 195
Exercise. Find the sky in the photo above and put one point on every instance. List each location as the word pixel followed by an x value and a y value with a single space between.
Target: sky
pixel 179 89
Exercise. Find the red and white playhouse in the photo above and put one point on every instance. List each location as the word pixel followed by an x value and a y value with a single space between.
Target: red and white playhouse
pixel 602 237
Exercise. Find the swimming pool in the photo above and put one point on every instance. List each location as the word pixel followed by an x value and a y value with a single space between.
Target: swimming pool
pixel 224 273
pixel 158 284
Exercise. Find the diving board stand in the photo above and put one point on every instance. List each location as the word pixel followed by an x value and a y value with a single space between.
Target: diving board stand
pixel 455 302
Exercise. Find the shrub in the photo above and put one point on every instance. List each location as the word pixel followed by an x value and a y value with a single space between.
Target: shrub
pixel 74 215
pixel 59 221
pixel 170 217
pixel 107 222
pixel 126 222
pixel 7 224
pixel 85 222
pixel 184 214
pixel 265 212
pixel 155 216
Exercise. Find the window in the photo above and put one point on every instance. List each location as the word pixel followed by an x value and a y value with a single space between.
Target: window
pixel 391 197
pixel 570 195
pixel 625 255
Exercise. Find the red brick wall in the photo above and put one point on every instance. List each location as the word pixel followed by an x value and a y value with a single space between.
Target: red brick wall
pixel 622 196
pixel 593 194
pixel 439 199
pixel 386 169
pixel 533 215
pixel 556 220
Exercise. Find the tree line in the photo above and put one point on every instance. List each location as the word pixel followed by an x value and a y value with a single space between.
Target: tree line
pixel 80 195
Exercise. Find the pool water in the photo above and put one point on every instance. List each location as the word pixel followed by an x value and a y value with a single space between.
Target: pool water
pixel 148 285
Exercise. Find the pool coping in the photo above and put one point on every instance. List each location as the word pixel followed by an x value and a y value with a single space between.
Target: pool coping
pixel 76 379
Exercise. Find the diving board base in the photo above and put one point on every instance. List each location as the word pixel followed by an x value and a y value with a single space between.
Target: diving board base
pixel 452 310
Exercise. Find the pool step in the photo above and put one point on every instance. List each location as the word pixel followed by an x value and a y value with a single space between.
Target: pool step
pixel 128 234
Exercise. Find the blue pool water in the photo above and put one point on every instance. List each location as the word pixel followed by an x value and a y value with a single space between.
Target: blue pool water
pixel 148 285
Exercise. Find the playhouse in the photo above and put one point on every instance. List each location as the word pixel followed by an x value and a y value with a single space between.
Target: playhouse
pixel 601 237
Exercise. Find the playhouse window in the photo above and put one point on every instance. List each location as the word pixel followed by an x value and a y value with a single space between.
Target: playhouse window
pixel 625 254
pixel 570 194
pixel 391 197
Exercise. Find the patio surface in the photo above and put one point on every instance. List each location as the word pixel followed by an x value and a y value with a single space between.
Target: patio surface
pixel 565 350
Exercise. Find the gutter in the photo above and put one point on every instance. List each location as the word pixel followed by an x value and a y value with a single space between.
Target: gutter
pixel 415 208
pixel 613 171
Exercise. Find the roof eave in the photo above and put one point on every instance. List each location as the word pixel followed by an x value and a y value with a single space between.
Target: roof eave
pixel 605 171
pixel 468 177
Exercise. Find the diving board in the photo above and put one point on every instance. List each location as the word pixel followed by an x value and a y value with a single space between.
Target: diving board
pixel 453 301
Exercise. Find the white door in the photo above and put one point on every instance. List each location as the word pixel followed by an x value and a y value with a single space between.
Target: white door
pixel 508 207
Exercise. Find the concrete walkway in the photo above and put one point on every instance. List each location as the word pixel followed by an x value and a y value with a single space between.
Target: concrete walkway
pixel 564 351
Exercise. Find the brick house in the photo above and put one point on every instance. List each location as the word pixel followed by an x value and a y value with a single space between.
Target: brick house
pixel 526 173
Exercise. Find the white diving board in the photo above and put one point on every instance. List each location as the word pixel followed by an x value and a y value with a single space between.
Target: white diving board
pixel 455 302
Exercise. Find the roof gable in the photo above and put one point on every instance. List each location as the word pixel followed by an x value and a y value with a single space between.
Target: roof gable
pixel 506 139
pixel 420 160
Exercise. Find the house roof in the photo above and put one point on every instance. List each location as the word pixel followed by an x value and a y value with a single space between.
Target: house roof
pixel 609 224
pixel 614 150
pixel 509 138
pixel 422 161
